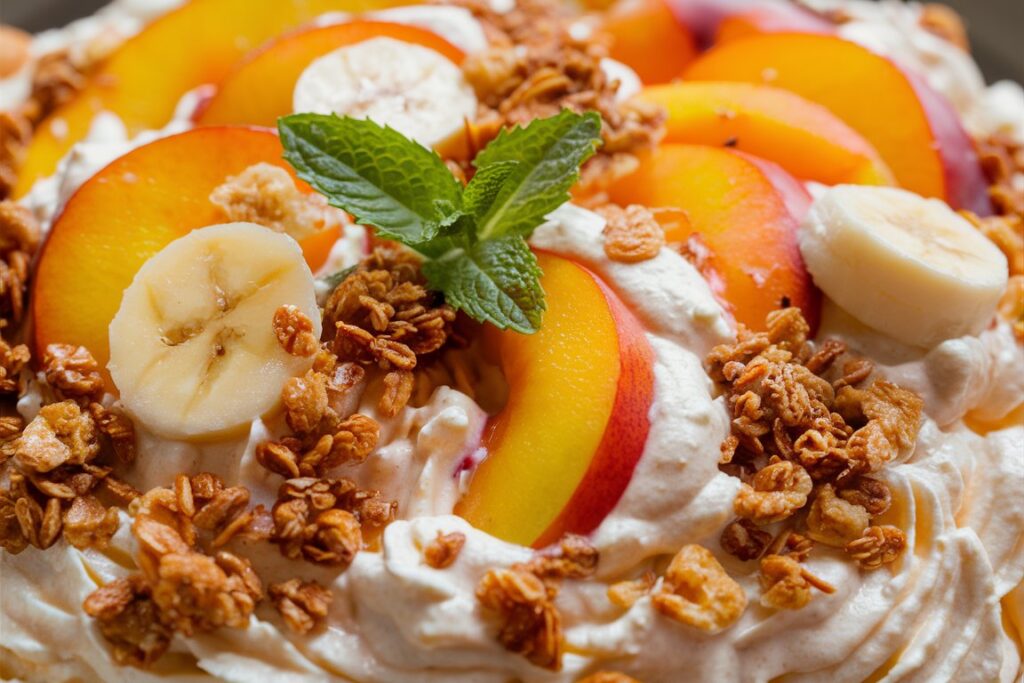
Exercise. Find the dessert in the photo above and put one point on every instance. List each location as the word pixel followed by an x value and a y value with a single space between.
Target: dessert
pixel 510 341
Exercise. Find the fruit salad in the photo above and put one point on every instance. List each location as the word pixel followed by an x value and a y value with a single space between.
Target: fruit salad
pixel 480 341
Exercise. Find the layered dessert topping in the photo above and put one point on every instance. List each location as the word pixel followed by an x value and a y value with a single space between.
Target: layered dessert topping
pixel 486 342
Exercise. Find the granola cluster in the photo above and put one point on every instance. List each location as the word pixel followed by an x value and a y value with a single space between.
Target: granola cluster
pixel 186 584
pixel 58 467
pixel 302 604
pixel 1002 161
pixel 631 234
pixel 58 76
pixel 385 317
pixel 807 436
pixel 19 240
pixel 536 67
pixel 1007 232
pixel 266 195
pixel 523 598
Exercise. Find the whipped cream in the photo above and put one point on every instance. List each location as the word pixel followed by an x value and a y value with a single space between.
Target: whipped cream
pixel 952 608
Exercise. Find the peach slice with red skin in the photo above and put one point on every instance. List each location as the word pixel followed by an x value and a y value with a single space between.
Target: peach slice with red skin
pixel 143 80
pixel 913 128
pixel 259 89
pixel 647 37
pixel 803 137
pixel 128 212
pixel 747 211
pixel 563 449
pixel 779 17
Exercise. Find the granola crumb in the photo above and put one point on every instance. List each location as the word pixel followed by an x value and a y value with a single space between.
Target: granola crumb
pixel 625 594
pixel 87 524
pixel 785 584
pixel 442 552
pixel 743 539
pixel 775 493
pixel 73 372
pixel 575 558
pixel 878 545
pixel 128 619
pixel 698 592
pixel 294 331
pixel 59 435
pixel 835 521
pixel 302 604
pixel 631 234
pixel 531 625
pixel 266 195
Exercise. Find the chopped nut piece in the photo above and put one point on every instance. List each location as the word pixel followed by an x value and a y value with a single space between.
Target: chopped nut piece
pixel 741 538
pixel 267 195
pixel 444 550
pixel 834 521
pixel 625 594
pixel 305 401
pixel 787 585
pixel 302 604
pixel 73 372
pixel 118 428
pixel 88 524
pixel 777 491
pixel 129 620
pixel 877 546
pixel 397 391
pixel 631 234
pixel 295 331
pixel 576 558
pixel 59 435
pixel 530 624
pixel 697 592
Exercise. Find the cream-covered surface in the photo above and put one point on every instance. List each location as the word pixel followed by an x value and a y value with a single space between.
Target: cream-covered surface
pixel 951 609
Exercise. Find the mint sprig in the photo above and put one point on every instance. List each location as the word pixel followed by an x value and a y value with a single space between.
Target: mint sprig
pixel 473 238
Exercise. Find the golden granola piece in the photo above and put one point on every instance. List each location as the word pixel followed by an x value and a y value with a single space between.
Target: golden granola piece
pixel 302 604
pixel 266 195
pixel 19 229
pixel 871 494
pixel 305 401
pixel 15 134
pixel 834 521
pixel 294 331
pixel 196 592
pixel 118 429
pixel 13 359
pixel 73 372
pixel 59 435
pixel 575 558
pixel 877 546
pixel 442 552
pixel 698 592
pixel 398 388
pixel 625 594
pixel 785 584
pixel 129 620
pixel 775 493
pixel 88 524
pixel 631 234
pixel 743 539
pixel 1011 306
pixel 531 625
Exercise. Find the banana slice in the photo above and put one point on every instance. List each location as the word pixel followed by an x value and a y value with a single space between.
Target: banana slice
pixel 192 349
pixel 417 91
pixel 909 267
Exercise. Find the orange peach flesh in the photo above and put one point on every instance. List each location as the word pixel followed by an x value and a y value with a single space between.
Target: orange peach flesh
pixel 864 89
pixel 145 78
pixel 259 89
pixel 129 211
pixel 803 137
pixel 744 217
pixel 563 449
pixel 647 37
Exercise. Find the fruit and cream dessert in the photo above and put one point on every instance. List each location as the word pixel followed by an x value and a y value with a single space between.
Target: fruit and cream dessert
pixel 504 340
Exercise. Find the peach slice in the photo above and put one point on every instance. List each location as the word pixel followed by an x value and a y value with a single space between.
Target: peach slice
pixel 647 37
pixel 803 137
pixel 746 210
pixel 914 129
pixel 128 212
pixel 145 78
pixel 776 17
pixel 259 89
pixel 563 449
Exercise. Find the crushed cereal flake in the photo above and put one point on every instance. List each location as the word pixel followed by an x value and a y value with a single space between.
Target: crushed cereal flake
pixel 697 591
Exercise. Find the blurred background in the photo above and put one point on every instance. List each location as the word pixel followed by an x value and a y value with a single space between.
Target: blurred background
pixel 996 27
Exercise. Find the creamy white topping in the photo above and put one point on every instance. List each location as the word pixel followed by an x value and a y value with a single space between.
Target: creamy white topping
pixel 936 615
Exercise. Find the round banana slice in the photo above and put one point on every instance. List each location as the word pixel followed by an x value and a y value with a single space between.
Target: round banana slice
pixel 193 350
pixel 906 266
pixel 417 91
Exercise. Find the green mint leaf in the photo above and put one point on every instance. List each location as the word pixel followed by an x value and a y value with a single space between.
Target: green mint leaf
pixel 374 173
pixel 497 281
pixel 548 153
pixel 484 187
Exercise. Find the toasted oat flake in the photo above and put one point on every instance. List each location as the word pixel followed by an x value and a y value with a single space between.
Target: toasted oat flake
pixel 302 604
pixel 697 591
pixel 631 234
pixel 530 624
pixel 877 546
pixel 442 552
